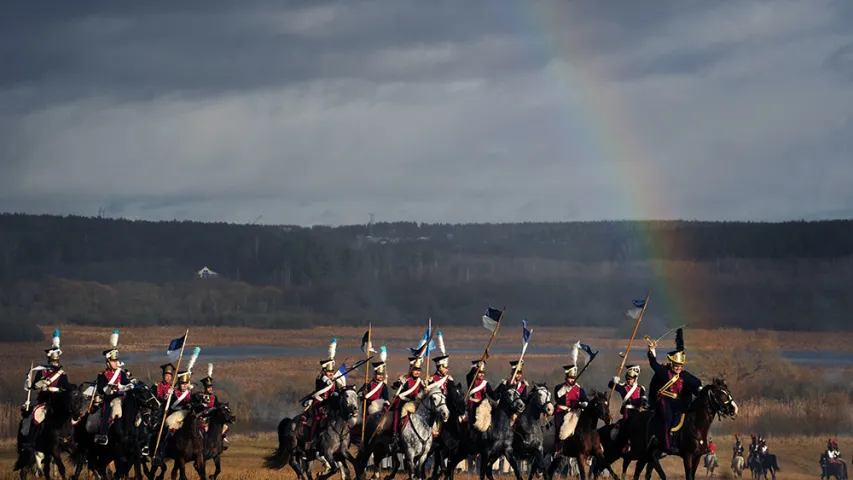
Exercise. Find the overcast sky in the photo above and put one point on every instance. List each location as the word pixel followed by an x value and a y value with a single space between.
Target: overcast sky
pixel 320 112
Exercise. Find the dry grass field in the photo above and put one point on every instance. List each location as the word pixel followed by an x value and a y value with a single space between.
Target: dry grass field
pixel 797 459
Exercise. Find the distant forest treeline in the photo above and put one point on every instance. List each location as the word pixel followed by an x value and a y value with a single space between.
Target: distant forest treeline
pixel 795 275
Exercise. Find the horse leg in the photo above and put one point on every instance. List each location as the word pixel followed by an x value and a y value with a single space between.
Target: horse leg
pixel 513 462
pixel 657 467
pixel 689 467
pixel 535 464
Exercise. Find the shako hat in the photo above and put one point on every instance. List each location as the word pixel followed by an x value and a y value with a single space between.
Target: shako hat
pixel 379 367
pixel 54 351
pixel 112 352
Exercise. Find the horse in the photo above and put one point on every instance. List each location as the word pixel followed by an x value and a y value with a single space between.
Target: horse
pixel 829 468
pixel 584 442
pixel 334 440
pixel 46 442
pixel 529 436
pixel 713 400
pixel 217 418
pixel 126 437
pixel 291 450
pixel 761 463
pixel 709 460
pixel 738 464
pixel 494 434
pixel 450 447
pixel 185 445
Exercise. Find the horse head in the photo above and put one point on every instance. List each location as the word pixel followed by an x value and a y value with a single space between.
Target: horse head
pixel 512 400
pixel 437 402
pixel 542 398
pixel 719 399
pixel 599 405
pixel 456 400
pixel 349 400
pixel 225 414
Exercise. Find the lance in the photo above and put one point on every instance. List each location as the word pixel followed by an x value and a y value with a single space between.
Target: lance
pixel 520 359
pixel 339 375
pixel 366 380
pixel 400 388
pixel 630 342
pixel 169 397
pixel 426 375
pixel 486 353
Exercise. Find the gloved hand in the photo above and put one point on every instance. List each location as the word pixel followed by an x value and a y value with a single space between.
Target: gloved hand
pixel 109 390
pixel 171 391
pixel 401 379
pixel 583 404
pixel 615 380
pixel 41 384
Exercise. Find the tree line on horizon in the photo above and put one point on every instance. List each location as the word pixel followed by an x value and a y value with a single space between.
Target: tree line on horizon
pixel 99 271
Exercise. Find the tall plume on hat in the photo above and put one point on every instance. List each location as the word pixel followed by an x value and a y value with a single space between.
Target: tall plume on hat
pixel 383 354
pixel 575 348
pixel 679 340
pixel 193 359
pixel 333 347
pixel 440 341
pixel 210 370
pixel 114 339
pixel 55 343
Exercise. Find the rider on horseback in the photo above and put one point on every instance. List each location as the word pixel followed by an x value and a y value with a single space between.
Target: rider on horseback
pixel 47 379
pixel 442 377
pixel 377 389
pixel 738 447
pixel 633 397
pixel 411 387
pixel 179 404
pixel 570 399
pixel 673 388
pixel 518 382
pixel 210 402
pixel 111 385
pixel 479 388
pixel 324 386
pixel 162 388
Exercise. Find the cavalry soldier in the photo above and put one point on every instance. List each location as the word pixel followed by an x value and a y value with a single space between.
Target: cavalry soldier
pixel 517 381
pixel 376 390
pixel 210 402
pixel 179 404
pixel 163 387
pixel 47 380
pixel 738 447
pixel 479 389
pixel 442 376
pixel 673 388
pixel 411 388
pixel 111 385
pixel 570 398
pixel 633 394
pixel 324 386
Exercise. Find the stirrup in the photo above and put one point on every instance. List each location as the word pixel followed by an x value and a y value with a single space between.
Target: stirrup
pixel 101 439
pixel 146 452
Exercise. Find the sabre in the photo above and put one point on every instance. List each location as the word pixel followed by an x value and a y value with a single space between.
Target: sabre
pixel 653 343
pixel 29 386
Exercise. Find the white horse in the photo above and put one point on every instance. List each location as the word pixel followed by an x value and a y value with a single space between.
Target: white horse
pixel 711 463
pixel 738 464
pixel 417 434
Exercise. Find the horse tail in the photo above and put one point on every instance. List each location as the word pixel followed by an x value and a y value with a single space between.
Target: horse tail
pixel 776 465
pixel 281 456
pixel 26 457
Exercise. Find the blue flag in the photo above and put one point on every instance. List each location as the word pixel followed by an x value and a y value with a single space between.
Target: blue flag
pixel 343 369
pixel 423 348
pixel 174 349
pixel 588 352
pixel 491 318
pixel 525 333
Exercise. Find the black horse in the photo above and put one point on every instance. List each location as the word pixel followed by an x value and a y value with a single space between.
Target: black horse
pixel 494 433
pixel 713 400
pixel 762 463
pixel 529 437
pixel 830 468
pixel 217 418
pixel 49 438
pixel 451 446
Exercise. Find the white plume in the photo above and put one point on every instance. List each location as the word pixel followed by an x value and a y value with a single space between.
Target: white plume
pixel 114 339
pixel 383 354
pixel 56 338
pixel 440 341
pixel 210 370
pixel 575 348
pixel 191 364
pixel 333 347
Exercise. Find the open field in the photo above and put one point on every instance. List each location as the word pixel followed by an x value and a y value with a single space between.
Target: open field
pixel 797 456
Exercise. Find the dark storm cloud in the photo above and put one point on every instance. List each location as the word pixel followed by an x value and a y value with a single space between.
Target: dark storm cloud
pixel 321 111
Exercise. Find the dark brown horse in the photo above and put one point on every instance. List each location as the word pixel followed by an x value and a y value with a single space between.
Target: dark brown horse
pixel 713 400
pixel 584 442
